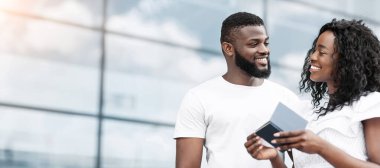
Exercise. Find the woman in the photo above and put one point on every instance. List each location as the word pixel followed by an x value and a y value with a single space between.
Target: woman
pixel 343 66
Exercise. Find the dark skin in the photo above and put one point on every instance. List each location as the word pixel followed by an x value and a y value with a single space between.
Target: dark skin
pixel 252 43
pixel 306 141
pixel 322 61
pixel 189 152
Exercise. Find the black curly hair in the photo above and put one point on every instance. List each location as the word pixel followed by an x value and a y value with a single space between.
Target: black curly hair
pixel 236 21
pixel 357 70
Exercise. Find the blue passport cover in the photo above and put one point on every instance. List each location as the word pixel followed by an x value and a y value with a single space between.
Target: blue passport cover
pixel 267 130
pixel 283 119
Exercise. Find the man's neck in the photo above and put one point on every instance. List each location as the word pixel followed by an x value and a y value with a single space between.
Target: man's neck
pixel 245 80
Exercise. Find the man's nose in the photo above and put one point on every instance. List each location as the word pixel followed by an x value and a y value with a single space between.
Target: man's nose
pixel 263 49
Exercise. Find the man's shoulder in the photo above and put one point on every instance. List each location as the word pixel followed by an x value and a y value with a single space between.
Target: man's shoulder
pixel 278 88
pixel 206 85
pixel 275 84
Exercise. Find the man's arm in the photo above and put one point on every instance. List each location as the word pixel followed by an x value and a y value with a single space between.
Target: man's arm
pixel 189 152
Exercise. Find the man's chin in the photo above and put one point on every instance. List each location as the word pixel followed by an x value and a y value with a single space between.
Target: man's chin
pixel 262 74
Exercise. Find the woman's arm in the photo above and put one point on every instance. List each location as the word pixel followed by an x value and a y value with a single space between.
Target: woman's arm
pixel 341 159
pixel 308 142
pixel 372 139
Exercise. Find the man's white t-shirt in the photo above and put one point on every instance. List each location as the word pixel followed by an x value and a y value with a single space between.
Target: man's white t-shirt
pixel 225 114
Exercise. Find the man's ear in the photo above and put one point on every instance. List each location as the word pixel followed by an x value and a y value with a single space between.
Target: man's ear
pixel 228 49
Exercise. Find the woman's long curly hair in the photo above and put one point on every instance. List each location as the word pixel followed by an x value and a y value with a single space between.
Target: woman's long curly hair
pixel 356 72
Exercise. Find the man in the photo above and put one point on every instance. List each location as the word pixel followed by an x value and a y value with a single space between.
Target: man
pixel 220 113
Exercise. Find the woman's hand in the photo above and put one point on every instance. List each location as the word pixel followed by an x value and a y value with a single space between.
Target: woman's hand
pixel 257 150
pixel 303 140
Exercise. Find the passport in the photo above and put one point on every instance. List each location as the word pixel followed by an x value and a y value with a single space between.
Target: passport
pixel 282 119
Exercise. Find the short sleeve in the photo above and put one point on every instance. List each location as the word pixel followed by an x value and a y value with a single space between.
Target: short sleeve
pixel 368 107
pixel 190 118
pixel 347 121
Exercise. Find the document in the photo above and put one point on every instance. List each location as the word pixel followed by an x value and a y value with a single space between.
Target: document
pixel 283 119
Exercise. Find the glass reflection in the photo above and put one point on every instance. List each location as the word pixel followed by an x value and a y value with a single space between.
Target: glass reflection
pixel 43 140
pixel 156 50
pixel 150 84
pixel 193 23
pixel 138 146
pixel 365 9
pixel 41 64
pixel 83 12
pixel 291 37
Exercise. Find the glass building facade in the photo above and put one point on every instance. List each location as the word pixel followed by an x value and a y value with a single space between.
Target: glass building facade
pixel 97 83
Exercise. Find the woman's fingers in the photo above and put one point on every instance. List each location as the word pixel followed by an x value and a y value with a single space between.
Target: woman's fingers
pixel 289 133
pixel 305 141
pixel 289 140
pixel 288 146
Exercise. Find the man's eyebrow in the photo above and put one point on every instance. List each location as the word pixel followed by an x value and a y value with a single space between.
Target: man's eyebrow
pixel 258 39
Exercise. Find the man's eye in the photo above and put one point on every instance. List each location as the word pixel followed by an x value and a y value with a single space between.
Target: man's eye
pixel 253 44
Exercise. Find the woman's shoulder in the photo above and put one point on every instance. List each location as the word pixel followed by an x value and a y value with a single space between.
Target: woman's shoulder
pixel 368 106
pixel 370 98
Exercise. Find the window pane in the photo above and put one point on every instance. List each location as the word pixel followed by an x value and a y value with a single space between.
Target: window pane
pixel 157 50
pixel 149 83
pixel 364 8
pixel 84 12
pixel 137 146
pixel 39 139
pixel 194 23
pixel 292 29
pixel 48 65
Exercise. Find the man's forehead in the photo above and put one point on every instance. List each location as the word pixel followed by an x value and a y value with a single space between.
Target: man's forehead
pixel 253 32
pixel 253 29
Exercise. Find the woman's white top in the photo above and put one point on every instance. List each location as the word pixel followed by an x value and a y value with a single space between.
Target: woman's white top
pixel 342 128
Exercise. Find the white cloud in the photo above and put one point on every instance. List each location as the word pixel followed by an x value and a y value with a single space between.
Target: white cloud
pixel 136 22
pixel 41 36
pixel 288 15
pixel 161 60
pixel 70 10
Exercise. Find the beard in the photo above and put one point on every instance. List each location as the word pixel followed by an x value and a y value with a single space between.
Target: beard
pixel 251 68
